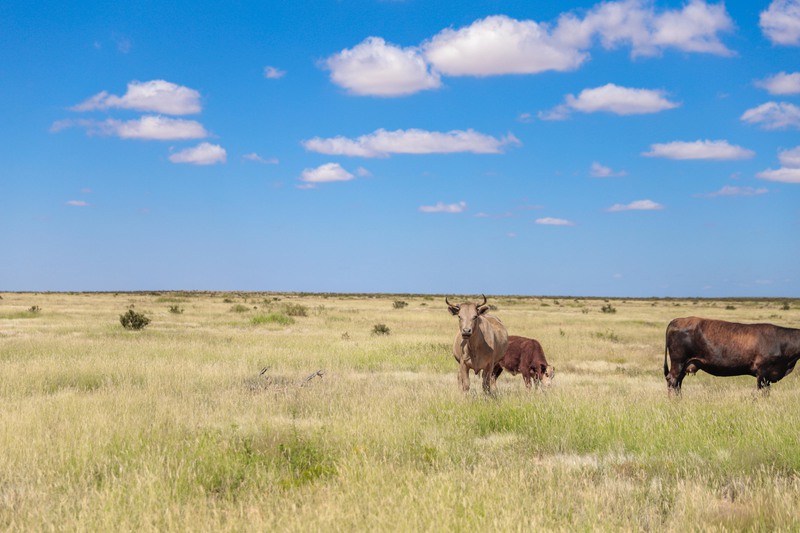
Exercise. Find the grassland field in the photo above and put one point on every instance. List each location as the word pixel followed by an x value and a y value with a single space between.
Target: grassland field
pixel 176 428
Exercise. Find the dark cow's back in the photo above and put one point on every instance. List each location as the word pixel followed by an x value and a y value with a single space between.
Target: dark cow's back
pixel 525 356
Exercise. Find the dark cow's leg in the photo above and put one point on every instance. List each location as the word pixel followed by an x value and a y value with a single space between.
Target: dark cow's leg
pixel 497 371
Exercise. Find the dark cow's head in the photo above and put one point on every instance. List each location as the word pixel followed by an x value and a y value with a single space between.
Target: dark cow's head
pixel 467 314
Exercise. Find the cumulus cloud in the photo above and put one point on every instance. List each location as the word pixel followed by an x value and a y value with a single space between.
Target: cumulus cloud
pixel 500 45
pixel 600 171
pixel 202 154
pixel 781 22
pixel 375 68
pixel 638 205
pixel 716 150
pixel 781 83
pixel 382 143
pixel 612 98
pixel 156 96
pixel 730 190
pixel 789 172
pixel 258 159
pixel 326 173
pixel 774 116
pixel 550 221
pixel 273 73
pixel 149 127
pixel 441 207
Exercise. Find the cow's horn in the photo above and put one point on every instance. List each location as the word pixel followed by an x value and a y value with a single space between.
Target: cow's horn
pixel 448 302
pixel 484 300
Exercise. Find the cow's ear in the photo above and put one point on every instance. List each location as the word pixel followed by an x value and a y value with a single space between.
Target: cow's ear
pixel 482 310
pixel 453 309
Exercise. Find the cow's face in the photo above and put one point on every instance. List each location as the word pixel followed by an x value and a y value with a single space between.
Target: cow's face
pixel 467 314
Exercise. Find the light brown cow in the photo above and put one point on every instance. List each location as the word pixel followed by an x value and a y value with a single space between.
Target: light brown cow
pixel 480 343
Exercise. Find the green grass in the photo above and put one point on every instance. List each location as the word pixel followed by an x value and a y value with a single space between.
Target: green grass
pixel 175 428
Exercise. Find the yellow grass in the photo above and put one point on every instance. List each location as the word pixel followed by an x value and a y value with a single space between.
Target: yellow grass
pixel 174 428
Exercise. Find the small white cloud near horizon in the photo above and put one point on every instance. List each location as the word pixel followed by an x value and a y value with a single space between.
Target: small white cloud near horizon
pixel 780 22
pixel 789 172
pixel 701 149
pixel 731 190
pixel 781 83
pixel 638 205
pixel 441 207
pixel 155 96
pixel 550 221
pixel 600 171
pixel 148 127
pixel 382 143
pixel 258 159
pixel 273 73
pixel 77 203
pixel 614 99
pixel 327 173
pixel 774 116
pixel 202 154
pixel 376 68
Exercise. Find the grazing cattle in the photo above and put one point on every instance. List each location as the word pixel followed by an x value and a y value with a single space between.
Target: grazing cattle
pixel 480 343
pixel 721 348
pixel 525 356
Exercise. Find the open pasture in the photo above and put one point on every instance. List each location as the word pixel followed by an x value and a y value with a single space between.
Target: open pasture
pixel 175 428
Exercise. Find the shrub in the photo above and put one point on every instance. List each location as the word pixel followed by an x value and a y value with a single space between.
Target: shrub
pixel 133 320
pixel 730 307
pixel 34 309
pixel 399 304
pixel 380 329
pixel 176 309
pixel 608 308
pixel 786 306
pixel 239 308
pixel 272 318
pixel 295 310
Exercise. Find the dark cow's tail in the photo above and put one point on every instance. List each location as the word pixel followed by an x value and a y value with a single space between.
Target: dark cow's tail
pixel 666 366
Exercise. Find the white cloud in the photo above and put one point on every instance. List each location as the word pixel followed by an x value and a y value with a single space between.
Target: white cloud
pixel 774 116
pixel 790 158
pixel 730 190
pixel 157 96
pixel 550 221
pixel 600 171
pixel 325 174
pixel 202 154
pixel 363 172
pixel 789 172
pixel 783 174
pixel 375 68
pixel 613 99
pixel 441 207
pixel 500 45
pixel 695 28
pixel 781 83
pixel 258 159
pixel 781 22
pixel 638 205
pixel 717 150
pixel 149 127
pixel 273 73
pixel 77 203
pixel 382 143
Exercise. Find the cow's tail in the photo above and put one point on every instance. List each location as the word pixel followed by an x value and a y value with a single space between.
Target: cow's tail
pixel 666 353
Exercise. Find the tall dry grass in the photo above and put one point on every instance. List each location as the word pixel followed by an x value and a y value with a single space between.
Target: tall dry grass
pixel 174 428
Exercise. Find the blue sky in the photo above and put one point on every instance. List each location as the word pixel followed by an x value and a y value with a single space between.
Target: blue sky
pixel 620 148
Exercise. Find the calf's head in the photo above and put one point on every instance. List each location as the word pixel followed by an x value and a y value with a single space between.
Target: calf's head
pixel 467 314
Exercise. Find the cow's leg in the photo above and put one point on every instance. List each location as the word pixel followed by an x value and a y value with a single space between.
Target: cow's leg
pixel 763 385
pixel 487 380
pixel 526 376
pixel 496 372
pixel 463 377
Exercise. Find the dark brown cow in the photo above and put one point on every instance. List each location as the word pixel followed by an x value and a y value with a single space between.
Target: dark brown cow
pixel 722 348
pixel 525 356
